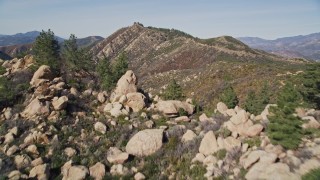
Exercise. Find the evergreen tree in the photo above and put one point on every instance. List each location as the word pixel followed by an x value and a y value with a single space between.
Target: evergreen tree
pixel 106 77
pixel 173 91
pixel 76 58
pixel 251 102
pixel 46 49
pixel 229 97
pixel 120 66
pixel 284 128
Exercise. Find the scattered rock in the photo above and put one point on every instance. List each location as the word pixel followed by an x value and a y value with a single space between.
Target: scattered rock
pixel 116 156
pixel 70 151
pixel 36 108
pixel 40 172
pixel 222 108
pixel 254 130
pixel 100 127
pixel 145 142
pixel 231 142
pixel 171 107
pixel 98 171
pixel 74 172
pixel 188 136
pixel 101 97
pixel 118 169
pixel 182 119
pixel 139 176
pixel 136 101
pixel 240 117
pixel 60 103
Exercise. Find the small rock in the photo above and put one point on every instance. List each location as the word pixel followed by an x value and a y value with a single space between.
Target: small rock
pixel 198 158
pixel 116 156
pixel 100 127
pixel 188 136
pixel 139 176
pixel 60 103
pixel 118 169
pixel 222 108
pixel 40 172
pixel 70 152
pixel 13 149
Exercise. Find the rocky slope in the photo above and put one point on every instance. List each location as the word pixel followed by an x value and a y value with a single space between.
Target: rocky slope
pixel 297 46
pixel 201 66
pixel 58 131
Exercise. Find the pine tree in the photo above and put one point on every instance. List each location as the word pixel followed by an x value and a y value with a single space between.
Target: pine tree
pixel 120 66
pixel 229 97
pixel 76 58
pixel 255 103
pixel 173 91
pixel 46 50
pixel 104 69
pixel 284 128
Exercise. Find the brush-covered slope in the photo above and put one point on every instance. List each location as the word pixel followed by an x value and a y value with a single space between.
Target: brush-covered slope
pixel 202 66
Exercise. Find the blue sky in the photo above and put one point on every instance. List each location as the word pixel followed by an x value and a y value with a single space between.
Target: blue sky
pixel 201 18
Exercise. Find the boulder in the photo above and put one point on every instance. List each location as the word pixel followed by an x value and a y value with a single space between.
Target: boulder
pixel 208 144
pixel 22 161
pixel 118 169
pixel 8 113
pixel 270 172
pixel 114 155
pixel 254 130
pixel 98 171
pixel 231 142
pixel 41 75
pixel 145 142
pixel 312 122
pixel 126 84
pixel 139 176
pixel 308 165
pixel 40 172
pixel 36 108
pixel 100 127
pixel 60 103
pixel 182 119
pixel 101 97
pixel 136 101
pixel 171 107
pixel 188 136
pixel 74 172
pixel 222 108
pixel 240 117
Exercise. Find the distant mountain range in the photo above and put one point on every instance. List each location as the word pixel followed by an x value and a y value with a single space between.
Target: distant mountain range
pixel 306 46
pixel 21 38
pixel 12 45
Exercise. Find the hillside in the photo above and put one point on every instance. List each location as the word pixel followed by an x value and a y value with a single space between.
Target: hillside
pixel 4 56
pixel 307 46
pixel 202 66
pixel 52 129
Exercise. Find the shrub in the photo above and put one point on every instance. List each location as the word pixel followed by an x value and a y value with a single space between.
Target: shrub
pixel 229 97
pixel 311 85
pixel 221 154
pixel 255 103
pixel 173 91
pixel 254 141
pixel 2 70
pixel 312 175
pixel 284 128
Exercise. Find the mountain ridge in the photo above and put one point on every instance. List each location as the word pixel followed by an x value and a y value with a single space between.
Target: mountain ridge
pixel 301 46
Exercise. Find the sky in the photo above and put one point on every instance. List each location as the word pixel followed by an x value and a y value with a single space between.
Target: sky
pixel 201 18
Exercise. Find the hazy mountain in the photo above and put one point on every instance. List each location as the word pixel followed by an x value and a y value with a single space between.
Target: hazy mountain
pixel 14 50
pixel 21 38
pixel 307 46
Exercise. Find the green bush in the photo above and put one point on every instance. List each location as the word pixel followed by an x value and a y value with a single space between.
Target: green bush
pixel 254 141
pixel 221 154
pixel 284 128
pixel 2 70
pixel 312 175
pixel 255 103
pixel 311 85
pixel 173 91
pixel 229 97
